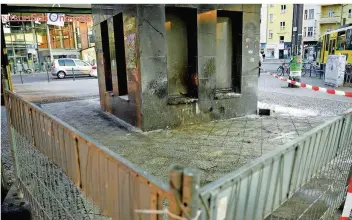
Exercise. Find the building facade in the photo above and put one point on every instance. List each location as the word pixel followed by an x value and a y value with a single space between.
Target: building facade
pixel 330 18
pixel 279 31
pixel 311 30
pixel 166 65
pixel 32 43
pixel 263 26
pixel 346 17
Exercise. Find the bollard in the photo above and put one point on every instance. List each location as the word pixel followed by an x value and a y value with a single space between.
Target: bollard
pixel 47 73
pixel 21 77
pixel 73 72
pixel 190 192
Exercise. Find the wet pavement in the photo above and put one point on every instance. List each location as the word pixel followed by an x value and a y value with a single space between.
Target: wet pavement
pixel 216 148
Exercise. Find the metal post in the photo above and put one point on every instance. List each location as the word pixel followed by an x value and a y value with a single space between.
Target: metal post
pixel 36 43
pixel 176 173
pixel 190 193
pixel 73 72
pixel 47 73
pixel 21 76
pixel 296 45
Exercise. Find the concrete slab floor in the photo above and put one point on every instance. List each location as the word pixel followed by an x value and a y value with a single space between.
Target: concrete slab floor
pixel 216 148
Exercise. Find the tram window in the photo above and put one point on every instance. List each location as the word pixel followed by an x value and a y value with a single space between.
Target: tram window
pixel 341 40
pixel 332 47
pixel 349 39
pixel 327 39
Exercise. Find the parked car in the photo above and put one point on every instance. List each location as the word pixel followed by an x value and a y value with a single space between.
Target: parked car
pixel 67 67
pixel 94 71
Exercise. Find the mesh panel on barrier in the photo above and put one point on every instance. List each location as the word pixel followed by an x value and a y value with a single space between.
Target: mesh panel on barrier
pixel 51 193
pixel 323 194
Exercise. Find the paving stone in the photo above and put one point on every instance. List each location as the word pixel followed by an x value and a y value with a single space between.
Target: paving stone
pixel 214 147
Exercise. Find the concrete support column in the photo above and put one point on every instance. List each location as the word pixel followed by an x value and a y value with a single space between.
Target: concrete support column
pixel 207 20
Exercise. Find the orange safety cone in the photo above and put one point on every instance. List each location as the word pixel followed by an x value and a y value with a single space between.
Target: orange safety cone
pixel 348 202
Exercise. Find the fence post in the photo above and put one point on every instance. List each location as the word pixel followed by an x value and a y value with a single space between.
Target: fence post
pixel 176 174
pixel 190 192
pixel 12 136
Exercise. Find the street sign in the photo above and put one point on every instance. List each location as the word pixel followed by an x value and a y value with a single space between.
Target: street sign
pixel 56 19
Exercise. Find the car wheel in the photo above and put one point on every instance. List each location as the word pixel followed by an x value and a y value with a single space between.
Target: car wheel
pixel 61 75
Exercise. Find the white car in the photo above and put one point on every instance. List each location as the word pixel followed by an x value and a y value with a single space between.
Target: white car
pixel 94 71
pixel 69 67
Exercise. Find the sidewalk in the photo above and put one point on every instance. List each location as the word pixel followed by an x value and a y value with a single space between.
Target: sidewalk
pixel 34 73
pixel 268 60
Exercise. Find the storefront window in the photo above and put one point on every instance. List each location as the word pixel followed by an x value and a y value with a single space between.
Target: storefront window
pixel 78 36
pixel 91 38
pixel 27 41
pixel 67 34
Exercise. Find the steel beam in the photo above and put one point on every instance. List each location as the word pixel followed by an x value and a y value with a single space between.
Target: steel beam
pixel 5 9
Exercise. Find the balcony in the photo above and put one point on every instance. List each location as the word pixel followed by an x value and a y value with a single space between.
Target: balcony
pixel 330 20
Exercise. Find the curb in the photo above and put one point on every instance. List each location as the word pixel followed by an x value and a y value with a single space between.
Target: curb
pixel 313 87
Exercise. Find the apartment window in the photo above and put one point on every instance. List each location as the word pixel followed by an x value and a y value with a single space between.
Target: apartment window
pixel 305 32
pixel 271 5
pixel 282 25
pixel 331 12
pixel 283 8
pixel 310 31
pixel 271 18
pixel 328 29
pixel 305 14
pixel 311 13
pixel 282 39
pixel 270 34
pixel 349 13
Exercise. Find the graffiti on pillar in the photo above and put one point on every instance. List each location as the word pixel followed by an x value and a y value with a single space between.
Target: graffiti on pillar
pixel 130 45
pixel 130 41
pixel 251 42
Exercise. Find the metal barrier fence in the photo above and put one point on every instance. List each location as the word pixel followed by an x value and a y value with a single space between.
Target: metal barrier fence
pixel 305 179
pixel 66 175
pixel 61 172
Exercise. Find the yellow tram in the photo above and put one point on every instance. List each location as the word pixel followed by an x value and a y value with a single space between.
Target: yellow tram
pixel 335 42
